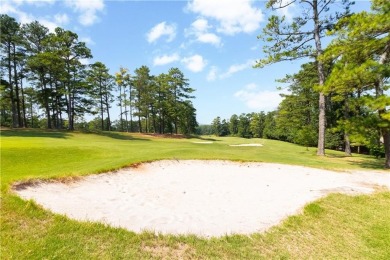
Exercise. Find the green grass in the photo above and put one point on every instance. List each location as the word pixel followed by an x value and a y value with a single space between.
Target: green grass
pixel 337 226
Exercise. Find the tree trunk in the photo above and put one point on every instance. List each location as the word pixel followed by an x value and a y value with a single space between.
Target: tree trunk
pixel 154 120
pixel 69 110
pixel 17 98
pixel 120 106
pixel 61 121
pixel 139 111
pixel 131 110
pixel 48 116
pixel 108 113
pixel 321 77
pixel 73 111
pixel 147 123
pixel 160 124
pixel 32 114
pixel 15 123
pixel 58 114
pixel 53 105
pixel 67 100
pixel 70 98
pixel 347 142
pixel 139 124
pixel 163 123
pixel 380 92
pixel 386 143
pixel 101 105
pixel 23 104
pixel 126 111
pixel 46 100
pixel 58 107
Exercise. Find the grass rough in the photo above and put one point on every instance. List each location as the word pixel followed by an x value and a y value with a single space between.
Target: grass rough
pixel 338 226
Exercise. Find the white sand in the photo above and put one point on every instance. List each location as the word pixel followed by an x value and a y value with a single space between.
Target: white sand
pixel 246 145
pixel 207 198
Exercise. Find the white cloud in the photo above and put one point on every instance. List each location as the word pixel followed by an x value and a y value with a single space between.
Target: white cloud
pixel 261 100
pixel 7 8
pixel 61 18
pixel 215 74
pixel 212 75
pixel 85 61
pixel 233 16
pixel 32 2
pixel 23 17
pixel 251 86
pixel 165 59
pixel 200 30
pixel 11 8
pixel 160 30
pixel 201 25
pixel 209 38
pixel 255 47
pixel 88 18
pixel 87 40
pixel 194 63
pixel 40 2
pixel 49 24
pixel 236 68
pixel 87 9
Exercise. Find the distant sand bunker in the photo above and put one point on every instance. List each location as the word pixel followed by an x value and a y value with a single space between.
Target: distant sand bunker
pixel 206 198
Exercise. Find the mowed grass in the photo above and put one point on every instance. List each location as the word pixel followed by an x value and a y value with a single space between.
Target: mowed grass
pixel 337 226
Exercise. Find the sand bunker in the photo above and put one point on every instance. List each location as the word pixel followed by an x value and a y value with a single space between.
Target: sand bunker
pixel 206 198
pixel 246 145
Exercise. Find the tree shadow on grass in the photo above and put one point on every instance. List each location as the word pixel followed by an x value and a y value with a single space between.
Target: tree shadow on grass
pixel 337 156
pixel 378 164
pixel 121 136
pixel 207 139
pixel 204 138
pixel 366 163
pixel 34 133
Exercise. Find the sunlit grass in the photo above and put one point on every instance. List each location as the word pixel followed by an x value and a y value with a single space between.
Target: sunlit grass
pixel 337 226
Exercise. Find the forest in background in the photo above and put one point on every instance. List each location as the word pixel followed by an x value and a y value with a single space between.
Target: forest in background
pixel 46 84
pixel 339 99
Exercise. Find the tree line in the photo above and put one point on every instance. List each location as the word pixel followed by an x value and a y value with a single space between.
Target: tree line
pixel 296 119
pixel 348 79
pixel 44 72
pixel 339 99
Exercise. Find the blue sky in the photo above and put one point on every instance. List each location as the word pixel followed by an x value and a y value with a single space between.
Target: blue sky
pixel 213 42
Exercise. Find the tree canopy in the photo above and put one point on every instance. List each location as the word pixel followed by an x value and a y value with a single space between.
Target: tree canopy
pixel 46 72
pixel 301 38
